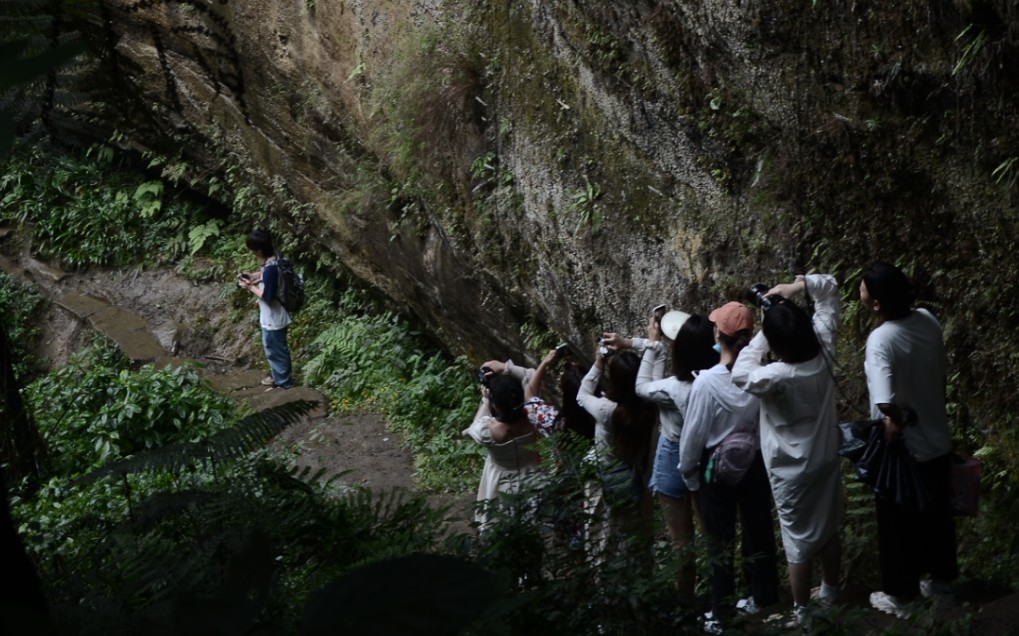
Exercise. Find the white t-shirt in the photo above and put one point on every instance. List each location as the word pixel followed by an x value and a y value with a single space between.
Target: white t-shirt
pixel 271 314
pixel 905 365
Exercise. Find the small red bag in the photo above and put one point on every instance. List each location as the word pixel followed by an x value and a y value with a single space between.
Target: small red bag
pixel 964 489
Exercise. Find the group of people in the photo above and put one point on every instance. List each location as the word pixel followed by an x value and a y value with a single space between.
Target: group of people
pixel 746 423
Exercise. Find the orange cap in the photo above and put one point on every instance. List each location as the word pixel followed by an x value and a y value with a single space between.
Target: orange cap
pixel 732 318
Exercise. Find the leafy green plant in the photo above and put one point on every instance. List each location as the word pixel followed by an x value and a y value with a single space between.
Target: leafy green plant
pixel 365 361
pixel 95 409
pixel 200 234
pixel 149 198
pixel 971 49
pixel 585 204
pixel 95 208
pixel 1006 171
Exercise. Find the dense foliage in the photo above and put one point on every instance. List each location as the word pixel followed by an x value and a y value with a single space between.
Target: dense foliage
pixel 21 306
pixel 95 409
pixel 73 201
pixel 376 361
pixel 167 543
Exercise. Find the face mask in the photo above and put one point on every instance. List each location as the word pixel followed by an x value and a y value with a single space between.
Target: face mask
pixel 717 347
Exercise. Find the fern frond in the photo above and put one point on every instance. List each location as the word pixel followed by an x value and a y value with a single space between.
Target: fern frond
pixel 250 434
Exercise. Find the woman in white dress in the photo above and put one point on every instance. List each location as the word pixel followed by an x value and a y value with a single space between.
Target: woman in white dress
pixel 501 425
pixel 799 427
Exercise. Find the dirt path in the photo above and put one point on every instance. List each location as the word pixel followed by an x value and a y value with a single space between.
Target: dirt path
pixel 158 317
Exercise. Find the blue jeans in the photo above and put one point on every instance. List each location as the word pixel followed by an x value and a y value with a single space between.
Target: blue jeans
pixel 278 354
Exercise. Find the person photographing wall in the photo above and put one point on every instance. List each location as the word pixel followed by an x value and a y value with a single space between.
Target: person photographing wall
pixel 692 339
pixel 798 424
pixel 272 316
pixel 720 416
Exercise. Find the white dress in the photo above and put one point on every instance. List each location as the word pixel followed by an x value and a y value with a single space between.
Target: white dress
pixel 799 429
pixel 508 464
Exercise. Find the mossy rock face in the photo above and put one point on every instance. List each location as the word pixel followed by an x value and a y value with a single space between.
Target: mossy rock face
pixel 570 165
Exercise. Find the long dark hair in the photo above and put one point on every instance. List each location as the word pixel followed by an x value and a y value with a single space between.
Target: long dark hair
pixel 790 332
pixel 572 416
pixel 888 285
pixel 633 419
pixel 693 348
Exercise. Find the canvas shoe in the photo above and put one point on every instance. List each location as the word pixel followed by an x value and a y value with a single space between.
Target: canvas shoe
pixel 941 590
pixel 889 604
pixel 267 381
pixel 747 606
pixel 711 626
pixel 824 595
pixel 799 616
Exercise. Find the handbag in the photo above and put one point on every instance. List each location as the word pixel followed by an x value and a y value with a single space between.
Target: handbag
pixel 964 485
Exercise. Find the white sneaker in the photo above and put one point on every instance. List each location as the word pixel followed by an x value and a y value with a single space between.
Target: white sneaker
pixel 933 588
pixel 711 626
pixel 889 604
pixel 824 600
pixel 799 615
pixel 747 606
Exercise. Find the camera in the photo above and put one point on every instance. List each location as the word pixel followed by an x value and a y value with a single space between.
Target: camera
pixel 758 296
pixel 483 377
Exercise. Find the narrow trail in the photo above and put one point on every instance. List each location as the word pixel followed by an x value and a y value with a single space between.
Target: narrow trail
pixel 157 317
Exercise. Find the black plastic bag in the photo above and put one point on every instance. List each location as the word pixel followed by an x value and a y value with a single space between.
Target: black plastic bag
pixel 855 438
pixel 872 460
pixel 887 468
pixel 900 479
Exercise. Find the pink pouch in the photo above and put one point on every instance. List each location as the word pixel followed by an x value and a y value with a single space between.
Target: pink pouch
pixel 964 490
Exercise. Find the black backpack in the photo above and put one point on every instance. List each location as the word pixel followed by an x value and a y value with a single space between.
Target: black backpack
pixel 290 287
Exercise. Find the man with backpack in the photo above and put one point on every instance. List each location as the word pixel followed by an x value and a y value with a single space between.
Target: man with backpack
pixel 273 316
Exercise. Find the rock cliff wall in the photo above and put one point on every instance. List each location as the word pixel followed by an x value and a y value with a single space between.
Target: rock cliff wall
pixel 506 171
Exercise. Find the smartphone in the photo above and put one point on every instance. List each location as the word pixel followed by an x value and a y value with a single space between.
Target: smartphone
pixel 659 311
pixel 561 350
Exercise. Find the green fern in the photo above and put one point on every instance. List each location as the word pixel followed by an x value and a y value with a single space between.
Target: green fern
pixel 248 435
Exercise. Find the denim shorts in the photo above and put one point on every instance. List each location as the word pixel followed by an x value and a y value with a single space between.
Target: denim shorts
pixel 665 477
